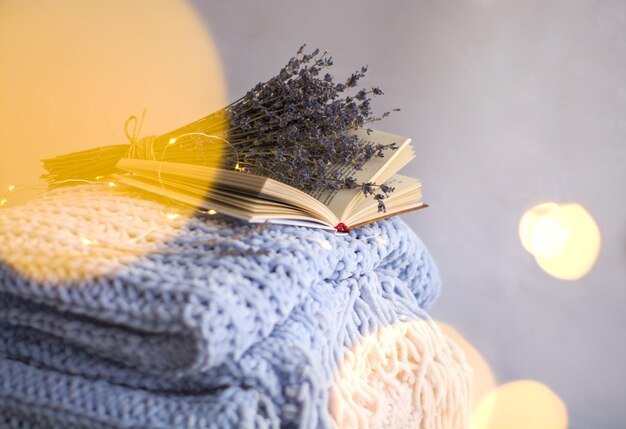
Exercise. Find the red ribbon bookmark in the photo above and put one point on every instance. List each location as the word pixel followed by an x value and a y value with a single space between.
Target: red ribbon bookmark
pixel 342 227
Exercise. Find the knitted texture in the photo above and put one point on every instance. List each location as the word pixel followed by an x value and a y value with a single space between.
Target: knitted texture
pixel 114 313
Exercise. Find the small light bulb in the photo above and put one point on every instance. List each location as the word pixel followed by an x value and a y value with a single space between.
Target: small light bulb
pixel 212 212
pixel 111 184
pixel 172 216
pixel 11 187
pixel 172 140
pixel 237 167
pixel 326 244
pixel 99 177
pixel 86 241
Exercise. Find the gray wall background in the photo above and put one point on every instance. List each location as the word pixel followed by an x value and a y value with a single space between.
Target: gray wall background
pixel 510 104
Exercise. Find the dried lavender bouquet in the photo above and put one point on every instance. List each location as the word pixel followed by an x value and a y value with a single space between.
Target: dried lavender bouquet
pixel 294 128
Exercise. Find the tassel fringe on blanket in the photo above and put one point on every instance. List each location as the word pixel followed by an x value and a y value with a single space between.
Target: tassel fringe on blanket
pixel 122 312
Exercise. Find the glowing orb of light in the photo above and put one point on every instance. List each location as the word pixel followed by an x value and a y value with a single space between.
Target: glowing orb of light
pixel 564 239
pixel 73 71
pixel 522 404
pixel 529 221
pixel 483 379
pixel 405 375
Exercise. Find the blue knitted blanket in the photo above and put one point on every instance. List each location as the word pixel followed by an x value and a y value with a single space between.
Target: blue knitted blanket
pixel 120 312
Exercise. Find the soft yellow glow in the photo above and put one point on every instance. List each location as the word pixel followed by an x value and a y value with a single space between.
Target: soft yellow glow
pixel 172 141
pixel 86 241
pixel 68 81
pixel 564 239
pixel 172 216
pixel 528 222
pixel 521 404
pixel 583 244
pixel 11 187
pixel 212 212
pixel 237 167
pixel 3 202
pixel 483 379
pixel 71 74
pixel 390 374
pixel 549 237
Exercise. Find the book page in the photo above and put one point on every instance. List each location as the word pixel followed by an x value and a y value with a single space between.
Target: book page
pixel 239 194
pixel 406 196
pixel 376 169
pixel 251 195
pixel 407 191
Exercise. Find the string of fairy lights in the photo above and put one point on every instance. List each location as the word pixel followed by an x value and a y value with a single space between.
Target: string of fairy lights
pixel 145 147
pixel 127 248
pixel 89 242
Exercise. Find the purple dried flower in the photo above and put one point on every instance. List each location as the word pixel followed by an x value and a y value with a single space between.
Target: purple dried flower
pixel 295 127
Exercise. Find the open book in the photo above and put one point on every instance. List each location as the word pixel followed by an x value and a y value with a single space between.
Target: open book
pixel 261 199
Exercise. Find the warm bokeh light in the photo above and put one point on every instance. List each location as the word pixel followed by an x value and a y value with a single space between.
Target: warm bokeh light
pixel 433 371
pixel 522 404
pixel 564 239
pixel 75 234
pixel 73 71
pixel 483 380
pixel 405 375
pixel 529 221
